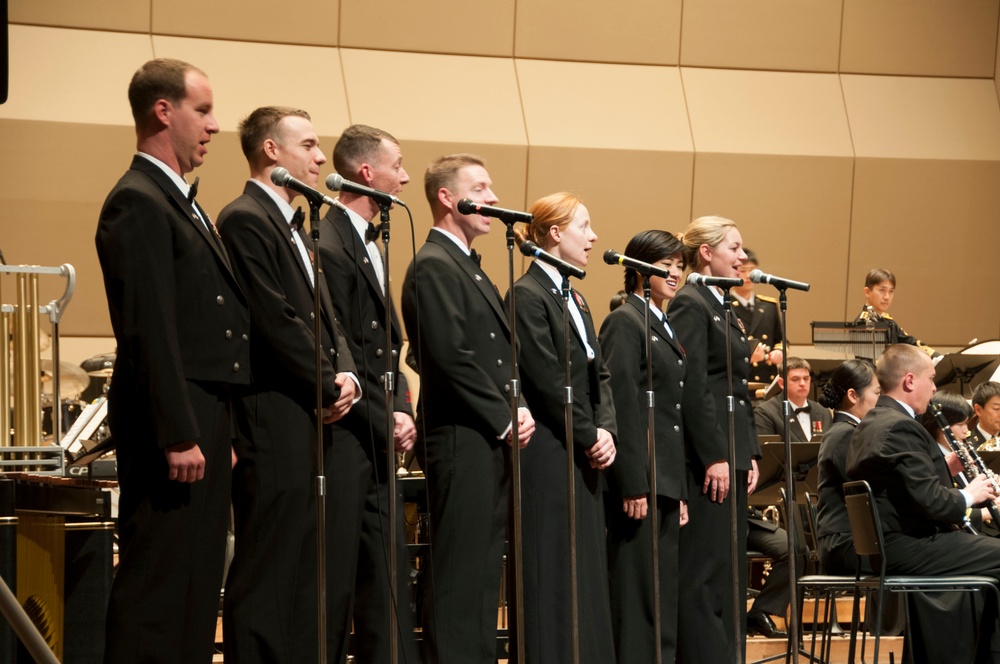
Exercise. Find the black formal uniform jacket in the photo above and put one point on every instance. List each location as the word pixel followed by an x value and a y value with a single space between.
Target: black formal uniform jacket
pixel 540 321
pixel 906 470
pixel 832 512
pixel 699 320
pixel 897 335
pixel 769 415
pixel 623 343
pixel 360 308
pixel 270 267
pixel 763 323
pixel 460 339
pixel 177 310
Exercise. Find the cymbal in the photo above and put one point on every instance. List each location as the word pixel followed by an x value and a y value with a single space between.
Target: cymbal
pixel 100 365
pixel 72 379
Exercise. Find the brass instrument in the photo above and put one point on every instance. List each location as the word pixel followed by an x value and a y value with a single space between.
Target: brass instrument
pixel 991 445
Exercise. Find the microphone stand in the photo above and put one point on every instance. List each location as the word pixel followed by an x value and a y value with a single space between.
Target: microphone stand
pixel 388 384
pixel 320 471
pixel 570 481
pixel 793 606
pixel 733 522
pixel 651 446
pixel 514 540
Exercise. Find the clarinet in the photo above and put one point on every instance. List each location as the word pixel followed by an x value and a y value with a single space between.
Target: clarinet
pixel 982 469
pixel 961 452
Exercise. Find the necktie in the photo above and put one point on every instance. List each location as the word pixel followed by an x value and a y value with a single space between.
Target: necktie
pixel 297 220
pixel 371 233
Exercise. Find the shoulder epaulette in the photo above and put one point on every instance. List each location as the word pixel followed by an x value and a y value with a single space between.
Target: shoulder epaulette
pixel 767 298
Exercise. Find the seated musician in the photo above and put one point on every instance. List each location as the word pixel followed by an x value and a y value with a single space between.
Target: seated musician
pixel 957 412
pixel 985 435
pixel 880 288
pixel 921 512
pixel 808 418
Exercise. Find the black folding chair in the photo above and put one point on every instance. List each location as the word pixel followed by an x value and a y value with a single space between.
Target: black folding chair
pixel 868 541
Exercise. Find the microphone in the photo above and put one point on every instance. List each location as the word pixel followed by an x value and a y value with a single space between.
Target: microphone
pixel 759 277
pixel 529 248
pixel 466 206
pixel 281 177
pixel 334 182
pixel 612 257
pixel 721 282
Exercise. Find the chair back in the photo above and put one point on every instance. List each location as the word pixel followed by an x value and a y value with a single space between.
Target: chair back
pixel 866 529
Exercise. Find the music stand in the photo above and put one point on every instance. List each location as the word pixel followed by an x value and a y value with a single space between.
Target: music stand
pixel 771 467
pixel 963 369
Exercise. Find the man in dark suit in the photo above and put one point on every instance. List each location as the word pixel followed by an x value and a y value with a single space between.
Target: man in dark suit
pixel 355 275
pixel 762 321
pixel 457 324
pixel 808 417
pixel 271 591
pixel 181 325
pixel 919 508
pixel 985 434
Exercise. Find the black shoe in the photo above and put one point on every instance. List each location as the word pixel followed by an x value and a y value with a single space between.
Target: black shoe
pixel 760 623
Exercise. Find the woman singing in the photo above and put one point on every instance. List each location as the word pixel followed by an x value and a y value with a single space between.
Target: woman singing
pixel 561 227
pixel 707 633
pixel 630 564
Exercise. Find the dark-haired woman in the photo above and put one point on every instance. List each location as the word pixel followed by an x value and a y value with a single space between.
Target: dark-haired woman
pixel 851 392
pixel 708 608
pixel 562 227
pixel 623 340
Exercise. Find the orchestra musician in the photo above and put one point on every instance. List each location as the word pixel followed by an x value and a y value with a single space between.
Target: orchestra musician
pixel 920 509
pixel 880 289
pixel 762 320
pixel 985 435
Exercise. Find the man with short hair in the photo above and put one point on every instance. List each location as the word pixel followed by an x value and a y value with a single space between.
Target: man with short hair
pixel 985 436
pixel 456 322
pixel 880 289
pixel 271 592
pixel 181 324
pixel 919 508
pixel 354 269
pixel 808 417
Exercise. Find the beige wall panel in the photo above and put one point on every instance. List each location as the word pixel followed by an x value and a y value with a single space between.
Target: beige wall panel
pixel 78 76
pixel 441 26
pixel 638 108
pixel 923 118
pixel 639 31
pixel 116 15
pixel 798 35
pixel 660 183
pixel 795 212
pixel 50 218
pixel 246 75
pixel 920 37
pixel 291 21
pixel 427 97
pixel 766 112
pixel 933 223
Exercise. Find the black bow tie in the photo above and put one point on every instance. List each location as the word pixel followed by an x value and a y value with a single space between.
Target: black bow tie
pixel 371 233
pixel 297 220
pixel 804 409
pixel 193 191
pixel 474 255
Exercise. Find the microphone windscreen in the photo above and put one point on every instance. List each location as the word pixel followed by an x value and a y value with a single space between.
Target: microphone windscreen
pixel 466 206
pixel 334 181
pixel 757 276
pixel 611 257
pixel 693 278
pixel 528 247
pixel 279 176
